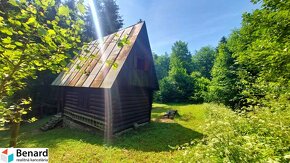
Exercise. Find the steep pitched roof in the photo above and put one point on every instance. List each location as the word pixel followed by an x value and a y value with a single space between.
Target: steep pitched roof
pixel 103 63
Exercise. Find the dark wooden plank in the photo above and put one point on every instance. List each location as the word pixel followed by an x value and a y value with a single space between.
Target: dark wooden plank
pixel 108 114
pixel 125 105
pixel 100 108
pixel 72 99
pixel 130 122
pixel 130 113
pixel 70 105
pixel 71 95
pixel 85 113
pixel 125 101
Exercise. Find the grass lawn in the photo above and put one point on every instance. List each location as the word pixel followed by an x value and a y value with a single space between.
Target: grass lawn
pixel 149 143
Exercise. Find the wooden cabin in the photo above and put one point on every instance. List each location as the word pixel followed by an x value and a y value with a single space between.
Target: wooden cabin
pixel 112 89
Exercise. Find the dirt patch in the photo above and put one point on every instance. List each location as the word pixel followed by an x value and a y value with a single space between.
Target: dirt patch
pixel 163 120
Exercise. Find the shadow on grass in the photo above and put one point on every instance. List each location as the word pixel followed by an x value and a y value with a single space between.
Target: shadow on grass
pixel 155 136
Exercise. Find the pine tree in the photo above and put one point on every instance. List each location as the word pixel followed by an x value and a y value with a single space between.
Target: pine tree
pixel 223 87
pixel 109 17
pixel 111 20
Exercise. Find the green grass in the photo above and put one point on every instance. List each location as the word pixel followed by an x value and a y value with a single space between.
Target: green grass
pixel 149 143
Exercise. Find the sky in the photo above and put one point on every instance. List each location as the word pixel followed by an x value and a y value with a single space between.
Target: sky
pixel 197 22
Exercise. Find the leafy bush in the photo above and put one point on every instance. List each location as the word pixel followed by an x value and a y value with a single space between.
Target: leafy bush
pixel 262 135
pixel 175 88
pixel 200 85
pixel 167 90
pixel 261 49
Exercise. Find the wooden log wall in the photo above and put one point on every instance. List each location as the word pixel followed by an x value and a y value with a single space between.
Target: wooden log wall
pixel 130 106
pixel 87 102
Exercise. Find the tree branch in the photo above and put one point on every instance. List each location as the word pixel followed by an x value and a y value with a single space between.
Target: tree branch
pixel 7 59
pixel 9 77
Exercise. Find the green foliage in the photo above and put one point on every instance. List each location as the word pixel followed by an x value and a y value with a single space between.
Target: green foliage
pixel 203 61
pixel 177 86
pixel 109 19
pixel 180 56
pixel 200 87
pixel 178 83
pixel 224 87
pixel 33 39
pixel 262 51
pixel 258 136
pixel 161 63
pixel 123 41
pixel 63 11
pixel 251 70
pixel 250 73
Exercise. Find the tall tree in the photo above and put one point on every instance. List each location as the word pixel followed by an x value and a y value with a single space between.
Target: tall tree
pixel 32 40
pixel 203 60
pixel 262 50
pixel 40 89
pixel 177 86
pixel 223 87
pixel 109 17
pixel 180 56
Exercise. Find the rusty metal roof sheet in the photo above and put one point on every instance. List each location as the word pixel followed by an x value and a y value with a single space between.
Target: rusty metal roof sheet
pixel 97 68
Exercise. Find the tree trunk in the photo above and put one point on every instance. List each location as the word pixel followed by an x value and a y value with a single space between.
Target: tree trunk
pixel 15 128
pixel 14 133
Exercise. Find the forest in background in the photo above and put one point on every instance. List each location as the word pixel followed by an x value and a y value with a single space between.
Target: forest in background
pixel 248 71
pixel 248 68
